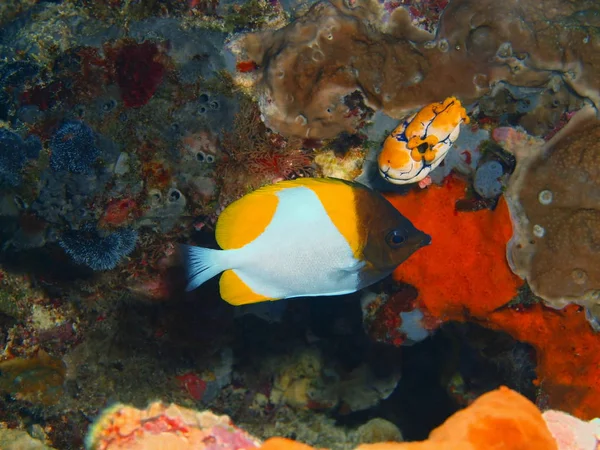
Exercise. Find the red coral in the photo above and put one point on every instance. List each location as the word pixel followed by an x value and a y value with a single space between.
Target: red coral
pixel 139 73
pixel 118 211
pixel 246 66
pixel 193 384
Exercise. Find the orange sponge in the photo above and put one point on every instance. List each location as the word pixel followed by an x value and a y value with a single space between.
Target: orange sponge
pixel 464 271
pixel 499 420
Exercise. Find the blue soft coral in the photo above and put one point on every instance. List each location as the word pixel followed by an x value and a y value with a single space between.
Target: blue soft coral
pixel 73 148
pixel 14 152
pixel 99 252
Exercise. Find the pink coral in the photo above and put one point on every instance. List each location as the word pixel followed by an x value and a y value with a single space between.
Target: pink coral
pixel 170 427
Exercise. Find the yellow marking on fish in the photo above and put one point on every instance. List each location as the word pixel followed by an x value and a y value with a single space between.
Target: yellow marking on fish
pixel 245 219
pixel 235 292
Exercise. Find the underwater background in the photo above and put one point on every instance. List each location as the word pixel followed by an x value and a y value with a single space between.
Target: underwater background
pixel 128 126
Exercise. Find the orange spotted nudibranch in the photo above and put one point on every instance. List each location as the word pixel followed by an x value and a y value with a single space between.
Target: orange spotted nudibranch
pixel 420 143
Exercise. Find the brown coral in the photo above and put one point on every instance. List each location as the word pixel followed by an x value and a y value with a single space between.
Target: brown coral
pixel 555 203
pixel 326 71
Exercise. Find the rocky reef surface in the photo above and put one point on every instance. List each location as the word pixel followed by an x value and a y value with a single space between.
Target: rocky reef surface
pixel 127 127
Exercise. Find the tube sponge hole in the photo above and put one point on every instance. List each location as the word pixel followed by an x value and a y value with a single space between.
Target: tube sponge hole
pixel 73 148
pixel 98 251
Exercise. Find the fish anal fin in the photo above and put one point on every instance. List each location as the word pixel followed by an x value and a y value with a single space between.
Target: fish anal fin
pixel 236 292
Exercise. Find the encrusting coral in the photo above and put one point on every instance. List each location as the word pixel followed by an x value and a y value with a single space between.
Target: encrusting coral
pixel 478 284
pixel 498 419
pixel 474 242
pixel 566 347
pixel 554 199
pixel 327 71
pixel 160 427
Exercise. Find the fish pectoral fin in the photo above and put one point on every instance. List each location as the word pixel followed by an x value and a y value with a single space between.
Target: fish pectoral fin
pixel 235 292
pixel 354 267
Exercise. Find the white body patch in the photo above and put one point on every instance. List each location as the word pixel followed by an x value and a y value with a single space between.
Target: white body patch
pixel 300 253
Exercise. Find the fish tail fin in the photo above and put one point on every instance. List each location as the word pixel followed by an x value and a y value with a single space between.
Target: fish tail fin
pixel 202 264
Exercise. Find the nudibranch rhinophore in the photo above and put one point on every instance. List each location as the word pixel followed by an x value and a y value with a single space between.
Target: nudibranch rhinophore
pixel 420 143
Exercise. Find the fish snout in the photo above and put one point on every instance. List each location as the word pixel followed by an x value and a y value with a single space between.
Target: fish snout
pixel 425 239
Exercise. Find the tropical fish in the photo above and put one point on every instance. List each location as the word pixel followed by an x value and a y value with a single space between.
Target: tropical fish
pixel 420 143
pixel 304 237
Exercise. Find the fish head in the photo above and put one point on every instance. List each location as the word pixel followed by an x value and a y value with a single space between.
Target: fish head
pixel 391 238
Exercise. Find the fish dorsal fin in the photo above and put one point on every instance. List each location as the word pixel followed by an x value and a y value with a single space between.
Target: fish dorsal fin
pixel 235 292
pixel 245 219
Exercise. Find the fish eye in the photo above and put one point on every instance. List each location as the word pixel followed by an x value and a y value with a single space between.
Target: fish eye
pixel 396 238
pixel 200 156
pixel 210 159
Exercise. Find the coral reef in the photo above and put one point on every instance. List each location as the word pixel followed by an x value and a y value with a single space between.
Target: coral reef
pixel 73 148
pixel 474 241
pixel 127 126
pixel 139 73
pixel 14 153
pixel 37 380
pixel 162 426
pixel 253 156
pixel 500 418
pixel 554 204
pixel 459 294
pixel 326 72
pixel 98 251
